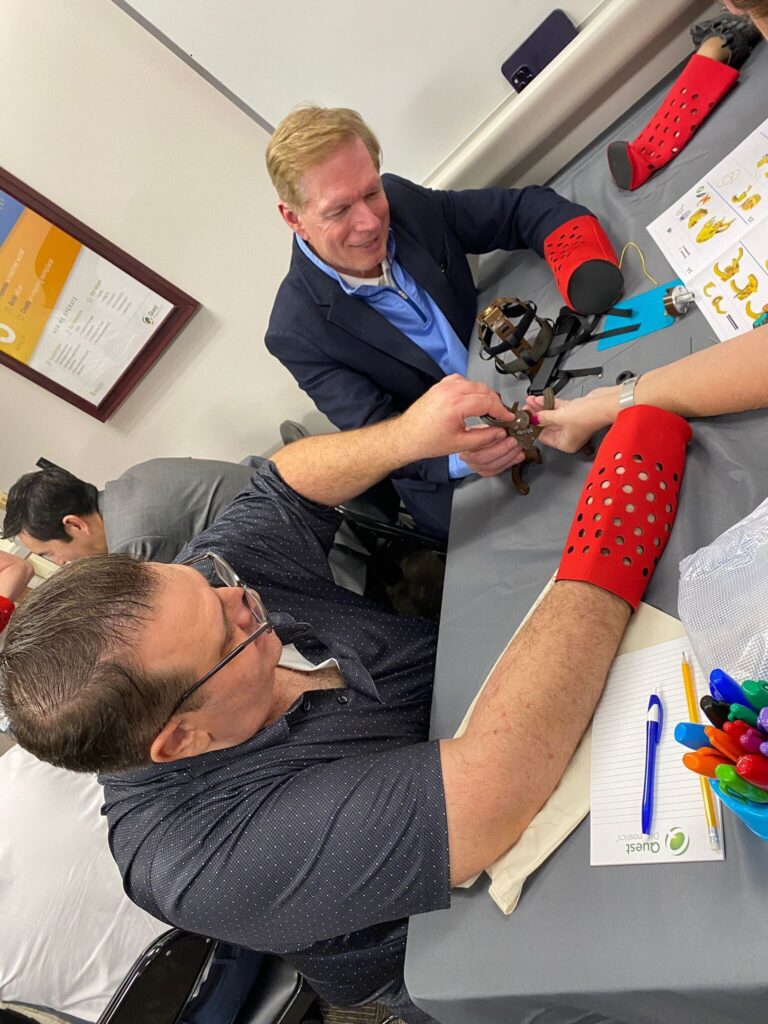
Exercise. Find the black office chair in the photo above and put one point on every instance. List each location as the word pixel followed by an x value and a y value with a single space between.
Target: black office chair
pixel 161 985
pixel 377 510
pixel 168 985
pixel 406 566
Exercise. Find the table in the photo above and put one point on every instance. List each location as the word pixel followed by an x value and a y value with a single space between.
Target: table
pixel 646 944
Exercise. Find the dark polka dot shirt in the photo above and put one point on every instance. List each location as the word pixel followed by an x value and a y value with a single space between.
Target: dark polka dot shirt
pixel 319 836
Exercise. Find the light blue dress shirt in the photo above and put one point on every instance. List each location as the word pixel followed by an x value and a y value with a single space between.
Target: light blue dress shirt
pixel 413 311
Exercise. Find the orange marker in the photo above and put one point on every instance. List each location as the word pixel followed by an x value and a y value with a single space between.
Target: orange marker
pixel 723 742
pixel 704 761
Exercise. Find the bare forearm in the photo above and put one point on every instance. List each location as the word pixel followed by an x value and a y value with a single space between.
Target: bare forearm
pixel 726 378
pixel 530 718
pixel 730 377
pixel 332 468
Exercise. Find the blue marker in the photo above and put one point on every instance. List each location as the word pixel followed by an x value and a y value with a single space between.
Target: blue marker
pixel 653 721
pixel 723 687
pixel 692 735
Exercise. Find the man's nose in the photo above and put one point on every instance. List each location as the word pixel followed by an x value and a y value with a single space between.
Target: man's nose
pixel 238 608
pixel 365 218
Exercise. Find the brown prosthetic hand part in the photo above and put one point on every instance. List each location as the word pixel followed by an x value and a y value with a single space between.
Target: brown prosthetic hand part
pixel 586 271
pixel 628 504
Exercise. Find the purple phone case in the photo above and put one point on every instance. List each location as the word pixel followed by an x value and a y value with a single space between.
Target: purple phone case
pixel 539 49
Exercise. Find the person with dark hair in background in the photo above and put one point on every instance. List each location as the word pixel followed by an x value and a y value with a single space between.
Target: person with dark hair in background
pixel 150 511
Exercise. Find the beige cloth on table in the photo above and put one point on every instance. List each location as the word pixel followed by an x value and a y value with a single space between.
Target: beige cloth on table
pixel 569 803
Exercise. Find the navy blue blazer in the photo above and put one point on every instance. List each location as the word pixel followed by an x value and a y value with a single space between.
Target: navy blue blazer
pixel 354 364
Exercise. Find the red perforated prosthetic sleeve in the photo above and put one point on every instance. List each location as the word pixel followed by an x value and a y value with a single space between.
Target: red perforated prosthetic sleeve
pixel 7 608
pixel 700 87
pixel 629 502
pixel 584 264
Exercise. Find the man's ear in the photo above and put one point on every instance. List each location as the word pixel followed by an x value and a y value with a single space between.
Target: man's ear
pixel 180 738
pixel 74 525
pixel 293 219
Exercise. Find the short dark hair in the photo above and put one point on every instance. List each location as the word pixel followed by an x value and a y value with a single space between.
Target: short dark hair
pixel 38 502
pixel 71 683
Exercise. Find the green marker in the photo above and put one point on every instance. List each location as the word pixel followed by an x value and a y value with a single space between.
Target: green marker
pixel 756 691
pixel 742 714
pixel 727 773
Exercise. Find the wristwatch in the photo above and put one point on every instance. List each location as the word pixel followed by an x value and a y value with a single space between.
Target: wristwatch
pixel 627 393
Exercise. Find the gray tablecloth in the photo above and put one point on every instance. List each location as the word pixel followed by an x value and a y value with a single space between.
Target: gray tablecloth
pixel 648 945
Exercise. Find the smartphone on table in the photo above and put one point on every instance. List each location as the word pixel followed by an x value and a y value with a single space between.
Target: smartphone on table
pixel 539 49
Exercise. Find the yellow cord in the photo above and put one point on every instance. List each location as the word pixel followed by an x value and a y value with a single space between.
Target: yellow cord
pixel 634 245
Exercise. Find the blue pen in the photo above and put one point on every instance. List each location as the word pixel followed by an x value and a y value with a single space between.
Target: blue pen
pixel 653 721
pixel 724 687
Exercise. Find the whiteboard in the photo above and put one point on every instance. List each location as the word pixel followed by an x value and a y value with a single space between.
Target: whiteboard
pixel 423 73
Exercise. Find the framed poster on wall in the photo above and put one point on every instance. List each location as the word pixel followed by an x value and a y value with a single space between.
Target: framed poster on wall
pixel 78 316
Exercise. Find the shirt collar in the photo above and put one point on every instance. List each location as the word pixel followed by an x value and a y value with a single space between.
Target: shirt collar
pixel 348 287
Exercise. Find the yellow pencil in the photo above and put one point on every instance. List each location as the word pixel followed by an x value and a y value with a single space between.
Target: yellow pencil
pixel 706 792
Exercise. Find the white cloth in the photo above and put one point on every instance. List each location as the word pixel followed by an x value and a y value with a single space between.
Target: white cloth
pixel 570 801
pixel 68 933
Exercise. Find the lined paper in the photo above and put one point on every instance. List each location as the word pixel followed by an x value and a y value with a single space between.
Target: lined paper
pixel 678 828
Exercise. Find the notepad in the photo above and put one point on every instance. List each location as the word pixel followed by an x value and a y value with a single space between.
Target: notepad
pixel 679 828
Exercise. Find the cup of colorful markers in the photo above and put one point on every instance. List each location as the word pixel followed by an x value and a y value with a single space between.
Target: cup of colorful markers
pixel 732 750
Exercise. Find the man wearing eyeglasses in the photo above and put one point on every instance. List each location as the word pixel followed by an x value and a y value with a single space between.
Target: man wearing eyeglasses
pixel 268 776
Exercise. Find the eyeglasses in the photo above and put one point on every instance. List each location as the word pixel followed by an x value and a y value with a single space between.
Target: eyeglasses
pixel 227 575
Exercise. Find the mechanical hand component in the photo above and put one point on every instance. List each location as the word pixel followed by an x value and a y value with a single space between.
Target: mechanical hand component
pixel 509 320
pixel 678 300
pixel 525 433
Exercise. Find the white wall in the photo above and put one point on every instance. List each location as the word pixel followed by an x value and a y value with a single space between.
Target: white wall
pixel 424 73
pixel 105 121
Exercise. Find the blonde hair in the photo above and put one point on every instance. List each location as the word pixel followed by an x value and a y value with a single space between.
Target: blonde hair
pixel 308 136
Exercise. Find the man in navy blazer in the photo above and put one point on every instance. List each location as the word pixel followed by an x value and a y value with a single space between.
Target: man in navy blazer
pixel 379 301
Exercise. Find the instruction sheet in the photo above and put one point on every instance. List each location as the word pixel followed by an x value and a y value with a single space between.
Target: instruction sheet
pixel 716 238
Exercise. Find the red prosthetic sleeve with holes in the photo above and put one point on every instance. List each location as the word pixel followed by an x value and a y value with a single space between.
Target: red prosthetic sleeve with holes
pixel 7 608
pixel 581 257
pixel 702 83
pixel 629 502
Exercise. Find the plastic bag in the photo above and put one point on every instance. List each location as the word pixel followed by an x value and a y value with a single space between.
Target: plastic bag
pixel 723 599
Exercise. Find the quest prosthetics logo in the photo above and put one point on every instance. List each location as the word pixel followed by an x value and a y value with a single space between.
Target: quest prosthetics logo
pixel 677 841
